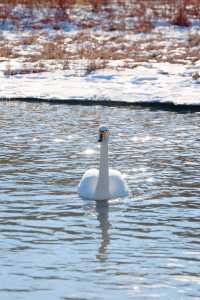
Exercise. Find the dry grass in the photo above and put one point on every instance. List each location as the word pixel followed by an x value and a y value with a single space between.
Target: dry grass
pixel 115 19
pixel 66 65
pixel 10 72
pixel 41 3
pixel 5 51
pixel 118 12
pixel 94 65
pixel 38 68
pixel 194 39
pixel 196 76
pixel 176 10
pixel 181 17
pixel 52 50
pixel 28 40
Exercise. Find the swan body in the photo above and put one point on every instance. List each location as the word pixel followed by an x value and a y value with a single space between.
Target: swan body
pixel 88 184
pixel 105 183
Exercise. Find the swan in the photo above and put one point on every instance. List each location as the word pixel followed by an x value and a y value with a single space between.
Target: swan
pixel 105 183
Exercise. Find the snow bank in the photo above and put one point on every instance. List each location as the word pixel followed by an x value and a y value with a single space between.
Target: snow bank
pixel 156 82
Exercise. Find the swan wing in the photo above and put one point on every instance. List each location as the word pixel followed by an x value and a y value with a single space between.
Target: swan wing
pixel 117 184
pixel 88 184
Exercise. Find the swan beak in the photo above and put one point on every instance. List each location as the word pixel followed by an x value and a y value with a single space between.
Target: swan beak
pixel 100 137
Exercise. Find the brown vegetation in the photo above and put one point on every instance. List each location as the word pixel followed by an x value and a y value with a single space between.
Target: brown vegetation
pixel 52 50
pixel 181 17
pixel 5 51
pixel 94 65
pixel 24 70
pixel 160 8
pixel 118 21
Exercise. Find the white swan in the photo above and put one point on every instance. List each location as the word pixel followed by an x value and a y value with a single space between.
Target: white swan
pixel 105 183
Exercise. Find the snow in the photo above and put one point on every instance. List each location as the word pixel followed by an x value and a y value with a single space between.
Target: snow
pixel 156 82
pixel 140 82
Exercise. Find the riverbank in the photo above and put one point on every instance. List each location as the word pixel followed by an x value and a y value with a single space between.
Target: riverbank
pixel 121 52
pixel 146 83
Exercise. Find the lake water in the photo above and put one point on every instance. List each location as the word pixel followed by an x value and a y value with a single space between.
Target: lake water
pixel 55 245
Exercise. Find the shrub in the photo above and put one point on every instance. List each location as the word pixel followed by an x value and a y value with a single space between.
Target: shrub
pixel 94 65
pixel 181 18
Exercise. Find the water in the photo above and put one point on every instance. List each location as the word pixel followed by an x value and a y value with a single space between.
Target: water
pixel 55 245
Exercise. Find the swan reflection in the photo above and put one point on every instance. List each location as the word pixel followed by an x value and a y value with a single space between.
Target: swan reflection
pixel 102 210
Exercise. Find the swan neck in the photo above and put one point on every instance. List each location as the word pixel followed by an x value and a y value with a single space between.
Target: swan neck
pixel 103 165
pixel 102 190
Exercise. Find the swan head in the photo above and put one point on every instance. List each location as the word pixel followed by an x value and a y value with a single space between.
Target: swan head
pixel 103 133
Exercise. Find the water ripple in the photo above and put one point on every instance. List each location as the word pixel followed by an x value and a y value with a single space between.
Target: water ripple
pixel 55 245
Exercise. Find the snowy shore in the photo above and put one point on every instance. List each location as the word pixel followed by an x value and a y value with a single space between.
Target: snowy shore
pixel 156 82
pixel 68 62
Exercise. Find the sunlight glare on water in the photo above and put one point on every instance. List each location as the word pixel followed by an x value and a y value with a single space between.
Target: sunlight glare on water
pixel 55 245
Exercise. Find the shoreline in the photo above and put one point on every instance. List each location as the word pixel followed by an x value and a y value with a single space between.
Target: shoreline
pixel 152 105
